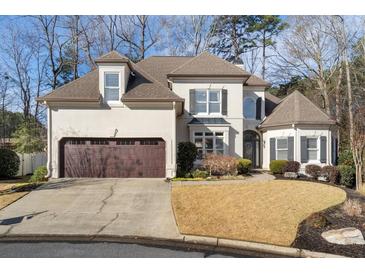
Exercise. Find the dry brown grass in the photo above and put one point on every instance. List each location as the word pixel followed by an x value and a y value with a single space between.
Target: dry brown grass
pixel 260 212
pixel 7 199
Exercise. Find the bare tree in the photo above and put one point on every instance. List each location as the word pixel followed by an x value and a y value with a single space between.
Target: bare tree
pixel 311 52
pixel 355 114
pixel 54 44
pixel 4 97
pixel 137 35
pixel 188 35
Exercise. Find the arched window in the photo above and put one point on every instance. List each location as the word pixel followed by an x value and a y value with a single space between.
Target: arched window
pixel 249 108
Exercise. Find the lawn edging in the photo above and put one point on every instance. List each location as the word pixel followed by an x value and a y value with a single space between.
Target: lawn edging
pixel 187 241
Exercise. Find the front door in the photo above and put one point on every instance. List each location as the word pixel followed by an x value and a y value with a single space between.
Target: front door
pixel 251 147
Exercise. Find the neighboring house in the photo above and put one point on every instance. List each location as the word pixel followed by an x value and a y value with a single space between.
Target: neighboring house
pixel 125 119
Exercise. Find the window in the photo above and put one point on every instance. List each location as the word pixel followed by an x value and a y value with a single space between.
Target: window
pixel 249 108
pixel 111 86
pixel 209 142
pixel 99 142
pixel 282 148
pixel 125 142
pixel 312 147
pixel 149 142
pixel 208 101
pixel 77 142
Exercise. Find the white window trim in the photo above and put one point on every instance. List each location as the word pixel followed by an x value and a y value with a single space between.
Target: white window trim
pixel 214 137
pixel 318 160
pixel 281 149
pixel 115 102
pixel 208 113
pixel 243 107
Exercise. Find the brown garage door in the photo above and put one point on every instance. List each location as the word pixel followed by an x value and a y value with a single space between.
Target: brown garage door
pixel 113 158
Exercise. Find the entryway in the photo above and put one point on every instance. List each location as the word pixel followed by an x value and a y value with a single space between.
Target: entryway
pixel 251 147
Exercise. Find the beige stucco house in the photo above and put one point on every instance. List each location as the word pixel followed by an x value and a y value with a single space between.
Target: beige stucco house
pixel 125 119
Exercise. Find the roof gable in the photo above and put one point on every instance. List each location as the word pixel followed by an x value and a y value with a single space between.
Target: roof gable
pixel 296 109
pixel 206 64
pixel 112 57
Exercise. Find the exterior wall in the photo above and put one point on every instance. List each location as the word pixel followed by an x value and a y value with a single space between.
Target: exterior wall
pixel 297 132
pixel 153 121
pixel 238 124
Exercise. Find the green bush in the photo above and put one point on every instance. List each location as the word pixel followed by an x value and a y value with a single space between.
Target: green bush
pixel 276 166
pixel 291 166
pixel 9 163
pixel 332 173
pixel 197 173
pixel 348 175
pixel 313 171
pixel 244 166
pixel 346 158
pixel 186 155
pixel 39 174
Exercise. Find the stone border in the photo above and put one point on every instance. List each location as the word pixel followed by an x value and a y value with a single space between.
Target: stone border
pixel 211 244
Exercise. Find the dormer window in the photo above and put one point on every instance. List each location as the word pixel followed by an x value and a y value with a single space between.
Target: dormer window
pixel 111 86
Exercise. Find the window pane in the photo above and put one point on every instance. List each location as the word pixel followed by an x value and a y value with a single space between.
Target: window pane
pixel 111 94
pixel 199 142
pixel 219 134
pixel 312 154
pixel 219 143
pixel 198 133
pixel 249 108
pixel 200 154
pixel 201 107
pixel 282 143
pixel 209 143
pixel 282 154
pixel 111 80
pixel 214 96
pixel 208 133
pixel 210 151
pixel 219 152
pixel 200 96
pixel 214 107
pixel 312 142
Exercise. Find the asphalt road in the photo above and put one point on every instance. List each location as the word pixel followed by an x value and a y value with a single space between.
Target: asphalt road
pixel 96 250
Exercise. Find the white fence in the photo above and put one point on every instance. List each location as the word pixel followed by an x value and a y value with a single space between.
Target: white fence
pixel 29 162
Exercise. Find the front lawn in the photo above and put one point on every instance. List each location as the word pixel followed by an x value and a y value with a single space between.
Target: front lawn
pixel 267 212
pixel 8 199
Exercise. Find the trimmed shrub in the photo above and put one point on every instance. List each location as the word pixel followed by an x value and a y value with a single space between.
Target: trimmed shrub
pixel 291 166
pixel 352 207
pixel 276 166
pixel 332 173
pixel 220 165
pixel 346 158
pixel 313 171
pixel 186 155
pixel 9 163
pixel 197 173
pixel 348 177
pixel 244 166
pixel 39 175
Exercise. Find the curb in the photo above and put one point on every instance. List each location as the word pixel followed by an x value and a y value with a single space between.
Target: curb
pixel 210 244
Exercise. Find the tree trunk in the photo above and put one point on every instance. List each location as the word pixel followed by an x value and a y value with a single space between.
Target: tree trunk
pixel 338 106
pixel 264 56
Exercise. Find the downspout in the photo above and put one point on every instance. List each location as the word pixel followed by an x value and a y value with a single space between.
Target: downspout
pixel 49 143
pixel 174 140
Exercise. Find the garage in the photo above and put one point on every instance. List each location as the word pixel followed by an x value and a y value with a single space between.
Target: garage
pixel 112 157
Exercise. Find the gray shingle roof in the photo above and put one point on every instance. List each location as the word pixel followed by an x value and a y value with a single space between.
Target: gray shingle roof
pixel 112 57
pixel 296 109
pixel 206 64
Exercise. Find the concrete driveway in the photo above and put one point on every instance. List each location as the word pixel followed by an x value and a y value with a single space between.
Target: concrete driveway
pixel 123 207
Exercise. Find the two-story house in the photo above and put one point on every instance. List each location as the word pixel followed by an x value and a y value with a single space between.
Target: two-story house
pixel 125 119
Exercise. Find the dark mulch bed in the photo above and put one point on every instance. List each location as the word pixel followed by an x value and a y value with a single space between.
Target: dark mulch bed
pixel 309 237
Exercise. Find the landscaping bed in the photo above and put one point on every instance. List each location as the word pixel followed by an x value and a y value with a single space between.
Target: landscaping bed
pixel 309 235
pixel 266 212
